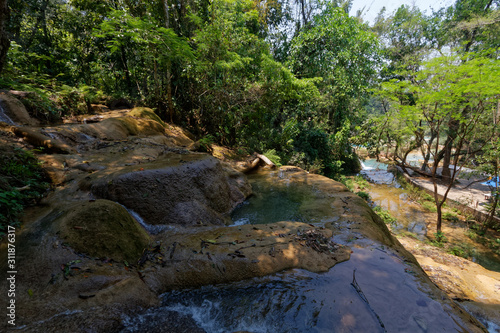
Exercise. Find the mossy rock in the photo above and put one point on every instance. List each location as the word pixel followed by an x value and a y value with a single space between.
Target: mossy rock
pixel 103 229
pixel 142 112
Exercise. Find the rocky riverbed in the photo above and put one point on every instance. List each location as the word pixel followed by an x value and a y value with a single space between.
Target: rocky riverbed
pixel 85 264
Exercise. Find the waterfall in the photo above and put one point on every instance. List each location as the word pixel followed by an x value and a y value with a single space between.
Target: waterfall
pixel 363 166
pixel 4 117
pixel 150 228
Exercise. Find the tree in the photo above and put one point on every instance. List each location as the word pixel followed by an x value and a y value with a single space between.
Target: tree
pixel 339 50
pixel 4 40
pixel 453 95
pixel 153 48
pixel 407 37
pixel 473 25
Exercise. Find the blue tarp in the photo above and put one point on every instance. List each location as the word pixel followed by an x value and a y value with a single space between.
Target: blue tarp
pixel 494 182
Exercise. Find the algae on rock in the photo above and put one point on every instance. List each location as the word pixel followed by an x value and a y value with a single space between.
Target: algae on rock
pixel 103 229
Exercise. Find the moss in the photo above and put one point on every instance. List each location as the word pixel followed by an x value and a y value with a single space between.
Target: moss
pixel 103 229
pixel 129 124
pixel 142 112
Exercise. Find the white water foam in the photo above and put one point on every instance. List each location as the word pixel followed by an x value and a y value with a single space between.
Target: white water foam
pixel 492 327
pixel 206 317
pixel 239 222
pixel 153 229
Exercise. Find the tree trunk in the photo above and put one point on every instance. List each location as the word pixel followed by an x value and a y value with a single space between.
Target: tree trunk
pixel 446 173
pixel 4 40
pixel 491 214
pixel 127 72
pixel 427 155
pixel 453 126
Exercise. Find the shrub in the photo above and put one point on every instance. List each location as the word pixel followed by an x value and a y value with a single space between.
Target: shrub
pixel 440 239
pixel 364 195
pixel 385 215
pixel 206 143
pixel 22 183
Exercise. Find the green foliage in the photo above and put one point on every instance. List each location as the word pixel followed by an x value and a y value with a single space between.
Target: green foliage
pixel 273 156
pixel 256 75
pixel 361 182
pixel 347 181
pixel 385 215
pixel 429 206
pixel 364 195
pixel 450 216
pixel 22 183
pixel 439 239
pixel 206 143
pixel 462 250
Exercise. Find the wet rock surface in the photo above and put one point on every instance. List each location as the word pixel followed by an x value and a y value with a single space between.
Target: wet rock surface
pixel 65 285
pixel 181 189
pixel 220 255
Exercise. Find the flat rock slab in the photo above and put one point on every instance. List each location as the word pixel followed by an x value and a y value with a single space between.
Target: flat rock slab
pixel 226 254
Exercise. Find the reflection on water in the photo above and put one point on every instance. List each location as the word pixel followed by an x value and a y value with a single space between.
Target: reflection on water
pixel 277 198
pixel 269 204
pixel 301 301
pixel 409 216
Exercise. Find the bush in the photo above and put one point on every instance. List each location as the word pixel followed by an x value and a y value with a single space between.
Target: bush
pixel 22 183
pixel 364 195
pixel 462 250
pixel 385 215
pixel 430 206
pixel 440 239
pixel 41 107
pixel 206 143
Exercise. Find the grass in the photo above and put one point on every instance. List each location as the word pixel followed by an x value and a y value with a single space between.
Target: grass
pixel 450 216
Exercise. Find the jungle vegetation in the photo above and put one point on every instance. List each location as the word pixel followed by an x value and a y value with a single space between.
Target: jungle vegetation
pixel 303 78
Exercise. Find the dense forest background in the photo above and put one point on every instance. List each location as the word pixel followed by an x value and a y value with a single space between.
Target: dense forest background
pixel 301 80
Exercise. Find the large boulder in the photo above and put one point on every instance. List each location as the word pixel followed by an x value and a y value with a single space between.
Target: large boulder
pixel 181 189
pixel 142 112
pixel 15 110
pixel 102 229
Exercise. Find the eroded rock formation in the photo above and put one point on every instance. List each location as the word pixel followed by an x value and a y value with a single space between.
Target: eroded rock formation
pixel 78 255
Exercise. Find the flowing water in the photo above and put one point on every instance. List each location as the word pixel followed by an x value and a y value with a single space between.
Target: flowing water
pixel 301 301
pixel 4 117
